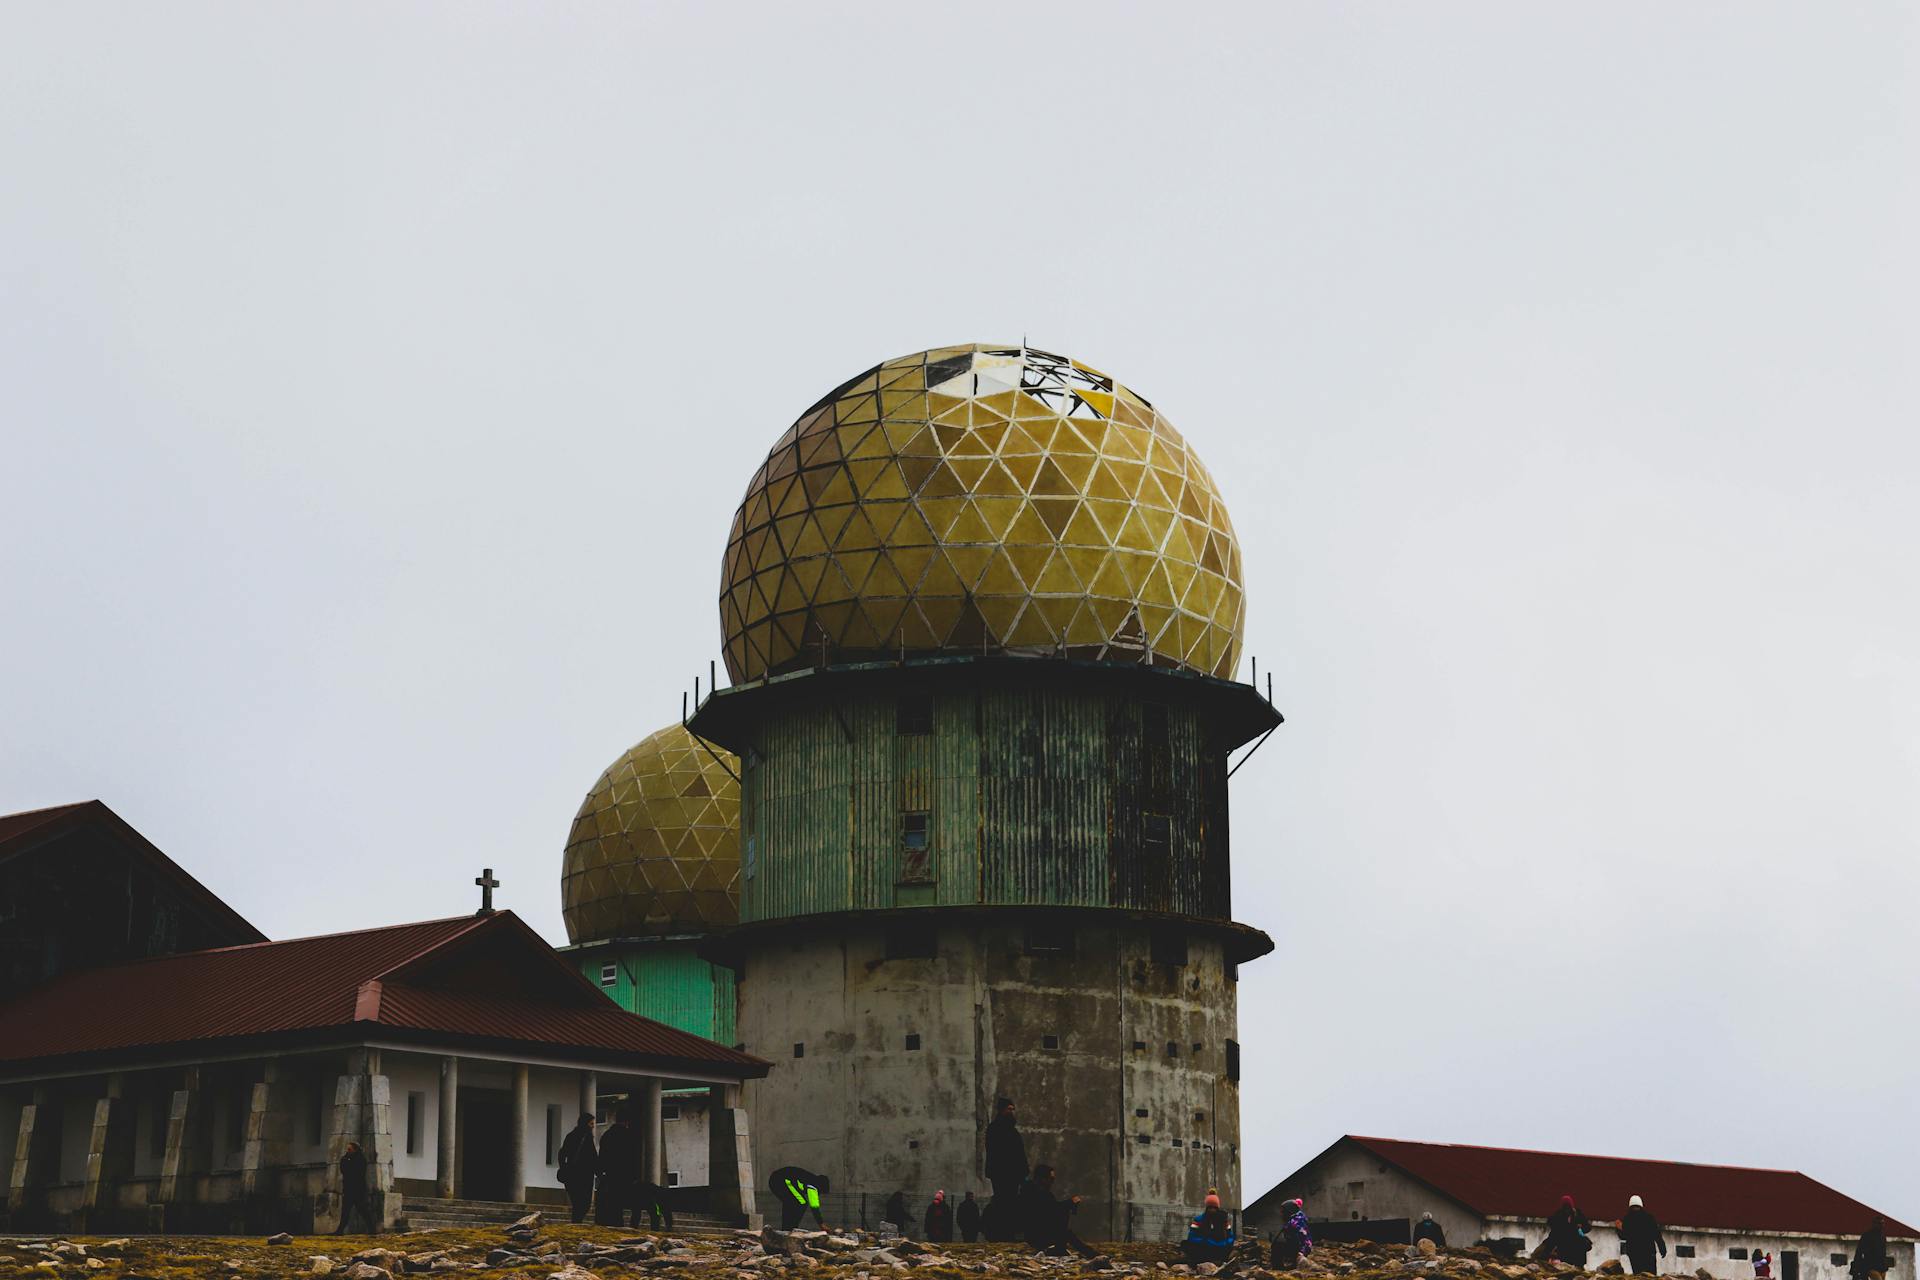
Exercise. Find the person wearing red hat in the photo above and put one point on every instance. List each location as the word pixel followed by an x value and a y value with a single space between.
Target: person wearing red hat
pixel 1210 1236
pixel 1567 1234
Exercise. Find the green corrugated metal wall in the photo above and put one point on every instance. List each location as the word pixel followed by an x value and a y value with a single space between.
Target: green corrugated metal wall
pixel 1034 795
pixel 669 984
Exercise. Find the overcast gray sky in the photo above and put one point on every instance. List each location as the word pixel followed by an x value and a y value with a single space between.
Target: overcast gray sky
pixel 377 384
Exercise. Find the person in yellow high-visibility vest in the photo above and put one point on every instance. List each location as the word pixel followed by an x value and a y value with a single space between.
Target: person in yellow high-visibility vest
pixel 799 1193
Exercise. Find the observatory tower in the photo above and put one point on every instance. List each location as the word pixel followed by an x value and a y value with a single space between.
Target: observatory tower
pixel 981 609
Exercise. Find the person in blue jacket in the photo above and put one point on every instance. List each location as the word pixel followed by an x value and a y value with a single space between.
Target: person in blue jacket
pixel 1209 1236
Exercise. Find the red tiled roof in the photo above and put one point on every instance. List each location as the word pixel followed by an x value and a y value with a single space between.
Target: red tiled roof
pixel 469 979
pixel 22 831
pixel 1496 1181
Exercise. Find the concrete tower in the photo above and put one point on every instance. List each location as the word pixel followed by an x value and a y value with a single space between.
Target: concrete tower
pixel 981 609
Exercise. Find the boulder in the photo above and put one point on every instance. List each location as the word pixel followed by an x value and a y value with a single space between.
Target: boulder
pixel 284 1237
pixel 1428 1248
pixel 319 1265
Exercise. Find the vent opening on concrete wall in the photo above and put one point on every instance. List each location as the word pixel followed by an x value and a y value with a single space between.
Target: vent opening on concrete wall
pixel 1049 940
pixel 799 1050
pixel 912 942
pixel 1143 1140
pixel 1141 1112
pixel 1049 1042
pixel 1173 1048
pixel 913 1040
pixel 1139 1046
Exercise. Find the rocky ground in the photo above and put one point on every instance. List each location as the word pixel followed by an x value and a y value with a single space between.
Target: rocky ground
pixel 534 1250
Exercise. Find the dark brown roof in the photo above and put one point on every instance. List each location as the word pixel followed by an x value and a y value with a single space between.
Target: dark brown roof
pixel 20 832
pixel 1497 1181
pixel 471 979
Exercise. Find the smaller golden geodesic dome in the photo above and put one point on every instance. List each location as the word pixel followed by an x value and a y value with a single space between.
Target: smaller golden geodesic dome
pixel 655 848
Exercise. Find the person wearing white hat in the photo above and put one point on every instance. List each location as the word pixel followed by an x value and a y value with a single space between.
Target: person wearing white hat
pixel 1640 1237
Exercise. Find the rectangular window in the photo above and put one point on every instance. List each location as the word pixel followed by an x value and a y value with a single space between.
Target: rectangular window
pixel 1233 1060
pixel 1683 1251
pixel 609 974
pixel 1169 947
pixel 1050 940
pixel 1354 1190
pixel 416 1114
pixel 916 863
pixel 1173 1048
pixel 799 1050
pixel 1050 1042
pixel 1737 1254
pixel 553 1133
pixel 673 1177
pixel 913 1041
pixel 1141 1112
pixel 913 714
pixel 669 1111
pixel 1837 1259
pixel 1142 1139
pixel 912 942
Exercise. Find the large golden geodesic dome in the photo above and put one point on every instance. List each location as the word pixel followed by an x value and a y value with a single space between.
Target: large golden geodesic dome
pixel 655 848
pixel 981 499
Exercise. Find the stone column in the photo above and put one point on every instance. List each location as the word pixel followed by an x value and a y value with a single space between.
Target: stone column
pixel 187 1156
pixel 449 1103
pixel 263 1156
pixel 653 1157
pixel 729 1158
pixel 36 1159
pixel 109 1156
pixel 362 1113
pixel 517 1145
pixel 589 1093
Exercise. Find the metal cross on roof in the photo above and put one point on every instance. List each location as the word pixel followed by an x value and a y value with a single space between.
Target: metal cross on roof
pixel 487 885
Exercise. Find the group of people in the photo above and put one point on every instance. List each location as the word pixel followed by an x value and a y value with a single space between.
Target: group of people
pixel 1644 1244
pixel 613 1167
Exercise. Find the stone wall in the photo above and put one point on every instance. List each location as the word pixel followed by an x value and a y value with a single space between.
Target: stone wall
pixel 1117 1063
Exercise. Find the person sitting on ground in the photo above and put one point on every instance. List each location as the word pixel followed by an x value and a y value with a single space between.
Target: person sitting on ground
pixel 1567 1234
pixel 1640 1238
pixel 938 1223
pixel 1430 1230
pixel 1046 1220
pixel 968 1218
pixel 1210 1236
pixel 798 1193
pixel 1293 1241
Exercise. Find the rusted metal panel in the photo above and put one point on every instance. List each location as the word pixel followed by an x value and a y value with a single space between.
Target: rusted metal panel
pixel 1040 793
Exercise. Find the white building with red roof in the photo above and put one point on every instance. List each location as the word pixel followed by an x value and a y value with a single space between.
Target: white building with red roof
pixel 1715 1217
pixel 216 1089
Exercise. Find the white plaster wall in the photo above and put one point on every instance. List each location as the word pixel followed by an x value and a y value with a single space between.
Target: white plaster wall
pixel 414 1073
pixel 548 1086
pixel 1349 1183
pixel 686 1138
pixel 1711 1249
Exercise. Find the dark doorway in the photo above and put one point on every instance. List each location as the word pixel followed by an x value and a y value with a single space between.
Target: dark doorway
pixel 486 1148
pixel 1789 1265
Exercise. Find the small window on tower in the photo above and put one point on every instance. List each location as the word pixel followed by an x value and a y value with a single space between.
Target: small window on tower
pixel 914 714
pixel 1141 1112
pixel 1049 1042
pixel 913 1041
pixel 609 974
pixel 1233 1060
pixel 1173 1048
pixel 799 1050
pixel 916 866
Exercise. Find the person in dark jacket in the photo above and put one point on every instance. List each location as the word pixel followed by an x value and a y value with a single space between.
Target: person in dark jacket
pixel 1870 1260
pixel 968 1218
pixel 579 1159
pixel 1640 1239
pixel 1567 1234
pixel 1210 1236
pixel 1046 1220
pixel 619 1166
pixel 896 1211
pixel 1292 1240
pixel 798 1193
pixel 1006 1170
pixel 1430 1230
pixel 353 1189
pixel 938 1223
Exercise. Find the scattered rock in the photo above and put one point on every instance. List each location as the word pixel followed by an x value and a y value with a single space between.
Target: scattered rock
pixel 1611 1267
pixel 1428 1248
pixel 284 1237
pixel 366 1271
pixel 531 1221
pixel 573 1273
pixel 319 1265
